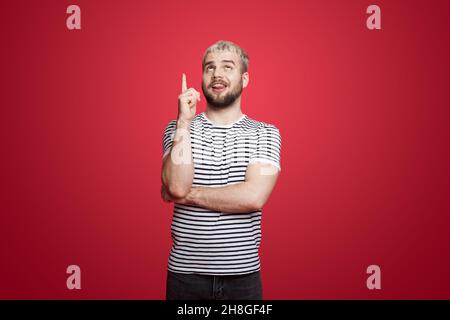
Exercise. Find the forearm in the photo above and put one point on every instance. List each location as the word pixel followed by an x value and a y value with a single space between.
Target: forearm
pixel 178 166
pixel 236 198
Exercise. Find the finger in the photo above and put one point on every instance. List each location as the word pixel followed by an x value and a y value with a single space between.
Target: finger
pixel 190 90
pixel 187 93
pixel 165 196
pixel 183 83
pixel 189 96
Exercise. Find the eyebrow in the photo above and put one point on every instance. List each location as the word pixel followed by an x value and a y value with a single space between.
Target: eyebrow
pixel 231 61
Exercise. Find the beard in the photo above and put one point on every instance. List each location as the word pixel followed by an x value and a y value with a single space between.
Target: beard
pixel 222 102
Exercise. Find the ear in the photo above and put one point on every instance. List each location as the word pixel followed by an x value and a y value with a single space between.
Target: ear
pixel 245 79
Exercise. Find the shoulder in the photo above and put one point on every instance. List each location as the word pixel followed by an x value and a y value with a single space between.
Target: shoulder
pixel 262 127
pixel 172 124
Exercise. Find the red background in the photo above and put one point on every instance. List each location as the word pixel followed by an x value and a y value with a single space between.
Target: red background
pixel 363 116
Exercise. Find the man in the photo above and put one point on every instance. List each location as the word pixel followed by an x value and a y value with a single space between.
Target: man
pixel 219 168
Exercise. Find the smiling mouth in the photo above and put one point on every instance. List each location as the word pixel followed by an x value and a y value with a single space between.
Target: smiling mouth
pixel 218 87
pixel 218 90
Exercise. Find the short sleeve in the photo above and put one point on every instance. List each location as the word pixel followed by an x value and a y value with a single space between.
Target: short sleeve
pixel 169 133
pixel 268 147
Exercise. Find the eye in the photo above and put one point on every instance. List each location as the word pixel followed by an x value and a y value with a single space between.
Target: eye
pixel 228 67
pixel 209 67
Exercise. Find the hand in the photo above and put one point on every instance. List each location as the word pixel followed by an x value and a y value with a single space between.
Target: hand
pixel 165 195
pixel 168 198
pixel 187 101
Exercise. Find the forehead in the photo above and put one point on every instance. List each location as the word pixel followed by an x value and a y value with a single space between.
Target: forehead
pixel 217 56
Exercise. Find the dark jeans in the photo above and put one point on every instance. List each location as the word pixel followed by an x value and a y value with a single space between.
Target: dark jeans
pixel 182 286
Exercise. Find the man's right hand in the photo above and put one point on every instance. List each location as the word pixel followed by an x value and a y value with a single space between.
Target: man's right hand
pixel 187 101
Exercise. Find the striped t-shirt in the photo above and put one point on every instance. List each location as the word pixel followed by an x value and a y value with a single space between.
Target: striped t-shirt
pixel 212 242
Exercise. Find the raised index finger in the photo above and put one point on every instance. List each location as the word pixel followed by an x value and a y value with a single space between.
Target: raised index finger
pixel 183 83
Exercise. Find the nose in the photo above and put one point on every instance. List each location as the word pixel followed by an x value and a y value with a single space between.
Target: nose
pixel 217 73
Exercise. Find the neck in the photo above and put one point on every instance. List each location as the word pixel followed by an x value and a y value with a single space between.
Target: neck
pixel 224 116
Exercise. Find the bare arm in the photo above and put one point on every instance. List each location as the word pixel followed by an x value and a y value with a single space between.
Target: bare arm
pixel 242 197
pixel 178 167
pixel 177 171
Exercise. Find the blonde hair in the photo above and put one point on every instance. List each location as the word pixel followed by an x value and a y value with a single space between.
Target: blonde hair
pixel 223 45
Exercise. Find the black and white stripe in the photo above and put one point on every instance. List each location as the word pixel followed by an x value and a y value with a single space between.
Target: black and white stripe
pixel 211 242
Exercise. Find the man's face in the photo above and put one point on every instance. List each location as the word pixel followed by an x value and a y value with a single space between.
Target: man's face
pixel 222 79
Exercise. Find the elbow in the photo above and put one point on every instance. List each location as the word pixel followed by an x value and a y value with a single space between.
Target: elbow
pixel 177 192
pixel 256 203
